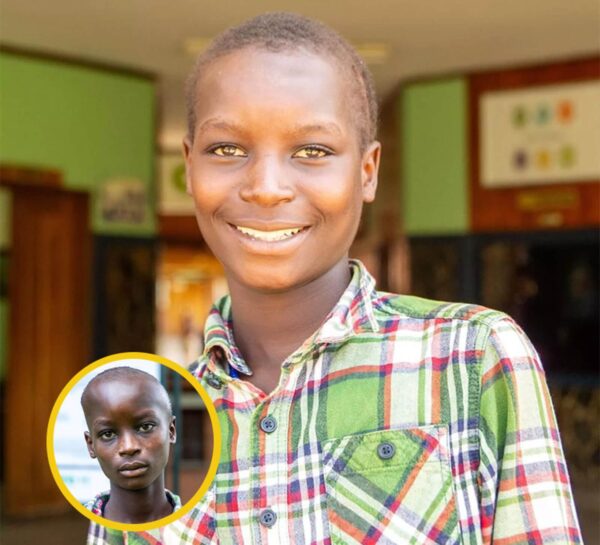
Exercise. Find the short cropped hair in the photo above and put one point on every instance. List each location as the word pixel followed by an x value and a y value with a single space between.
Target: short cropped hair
pixel 122 374
pixel 280 31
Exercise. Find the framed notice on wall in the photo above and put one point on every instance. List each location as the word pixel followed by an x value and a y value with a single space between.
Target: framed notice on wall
pixel 540 135
pixel 535 147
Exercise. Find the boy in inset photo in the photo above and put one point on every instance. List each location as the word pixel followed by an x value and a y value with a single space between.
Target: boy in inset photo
pixel 130 431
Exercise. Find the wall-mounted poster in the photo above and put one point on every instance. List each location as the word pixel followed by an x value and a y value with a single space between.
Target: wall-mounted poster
pixel 534 147
pixel 540 135
pixel 123 201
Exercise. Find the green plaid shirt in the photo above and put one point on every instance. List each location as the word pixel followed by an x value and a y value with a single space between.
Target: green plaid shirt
pixel 401 420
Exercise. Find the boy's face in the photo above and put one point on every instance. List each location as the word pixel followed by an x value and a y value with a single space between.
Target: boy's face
pixel 275 168
pixel 130 430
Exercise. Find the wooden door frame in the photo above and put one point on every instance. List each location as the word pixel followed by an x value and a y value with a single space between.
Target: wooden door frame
pixel 25 184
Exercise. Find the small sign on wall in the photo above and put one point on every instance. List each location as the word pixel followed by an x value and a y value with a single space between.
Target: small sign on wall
pixel 123 201
pixel 540 135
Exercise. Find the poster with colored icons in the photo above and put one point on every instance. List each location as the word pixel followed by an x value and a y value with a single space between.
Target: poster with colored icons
pixel 540 135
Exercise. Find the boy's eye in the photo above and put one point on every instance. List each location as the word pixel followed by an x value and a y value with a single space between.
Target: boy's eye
pixel 147 426
pixel 227 150
pixel 312 152
pixel 107 435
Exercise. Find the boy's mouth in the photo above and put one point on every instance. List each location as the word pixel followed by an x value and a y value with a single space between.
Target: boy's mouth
pixel 133 469
pixel 276 235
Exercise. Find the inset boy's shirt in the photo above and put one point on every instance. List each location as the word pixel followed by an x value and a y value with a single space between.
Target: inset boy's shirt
pixel 101 535
pixel 401 420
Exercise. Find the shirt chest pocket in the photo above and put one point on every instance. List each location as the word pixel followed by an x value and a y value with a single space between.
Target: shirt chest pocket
pixel 391 487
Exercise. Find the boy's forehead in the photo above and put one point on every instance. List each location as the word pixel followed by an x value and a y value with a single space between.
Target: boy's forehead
pixel 252 77
pixel 263 61
pixel 135 393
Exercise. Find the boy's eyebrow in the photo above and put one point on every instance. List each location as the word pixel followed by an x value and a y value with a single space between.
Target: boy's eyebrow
pixel 218 123
pixel 146 413
pixel 101 421
pixel 328 127
pixel 143 413
pixel 298 130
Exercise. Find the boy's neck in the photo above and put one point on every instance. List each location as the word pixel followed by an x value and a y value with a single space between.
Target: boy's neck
pixel 269 327
pixel 138 506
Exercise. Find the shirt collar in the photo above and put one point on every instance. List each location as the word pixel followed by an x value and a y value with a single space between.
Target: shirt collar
pixel 98 504
pixel 353 314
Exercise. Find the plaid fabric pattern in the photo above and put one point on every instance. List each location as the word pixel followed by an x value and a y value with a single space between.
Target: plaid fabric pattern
pixel 100 535
pixel 401 420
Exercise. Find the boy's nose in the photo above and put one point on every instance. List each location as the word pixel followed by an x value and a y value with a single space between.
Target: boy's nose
pixel 128 445
pixel 266 183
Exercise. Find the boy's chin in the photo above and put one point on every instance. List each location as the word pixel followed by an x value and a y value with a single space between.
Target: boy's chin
pixel 273 280
pixel 133 485
pixel 276 276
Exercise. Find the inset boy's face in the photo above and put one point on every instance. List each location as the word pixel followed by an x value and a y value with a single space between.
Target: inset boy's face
pixel 130 430
pixel 275 167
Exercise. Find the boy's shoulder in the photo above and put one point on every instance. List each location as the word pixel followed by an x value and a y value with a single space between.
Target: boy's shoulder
pixel 389 305
pixel 96 504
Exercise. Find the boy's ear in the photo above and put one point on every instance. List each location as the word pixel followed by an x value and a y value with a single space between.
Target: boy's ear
pixel 88 442
pixel 187 152
pixel 172 431
pixel 370 170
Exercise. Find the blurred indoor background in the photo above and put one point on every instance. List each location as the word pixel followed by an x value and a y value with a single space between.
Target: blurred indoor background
pixel 489 193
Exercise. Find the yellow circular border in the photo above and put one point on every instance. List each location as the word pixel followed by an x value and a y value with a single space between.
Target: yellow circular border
pixel 212 468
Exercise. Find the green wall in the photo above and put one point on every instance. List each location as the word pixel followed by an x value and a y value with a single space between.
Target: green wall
pixel 433 120
pixel 92 125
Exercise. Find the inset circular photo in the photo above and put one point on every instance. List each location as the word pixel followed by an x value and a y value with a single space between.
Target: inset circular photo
pixel 133 441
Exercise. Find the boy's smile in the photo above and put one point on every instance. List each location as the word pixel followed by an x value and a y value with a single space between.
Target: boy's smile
pixel 275 167
pixel 130 431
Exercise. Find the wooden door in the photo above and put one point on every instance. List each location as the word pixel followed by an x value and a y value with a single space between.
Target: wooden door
pixel 48 334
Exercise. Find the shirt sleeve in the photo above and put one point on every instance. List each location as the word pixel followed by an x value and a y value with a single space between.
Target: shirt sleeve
pixel 523 480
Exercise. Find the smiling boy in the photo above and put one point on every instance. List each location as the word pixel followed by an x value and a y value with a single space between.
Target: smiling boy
pixel 130 431
pixel 348 415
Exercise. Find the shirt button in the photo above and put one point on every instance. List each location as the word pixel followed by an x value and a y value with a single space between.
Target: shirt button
pixel 386 450
pixel 267 518
pixel 268 424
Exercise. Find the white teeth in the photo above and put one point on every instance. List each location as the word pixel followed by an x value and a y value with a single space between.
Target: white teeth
pixel 269 236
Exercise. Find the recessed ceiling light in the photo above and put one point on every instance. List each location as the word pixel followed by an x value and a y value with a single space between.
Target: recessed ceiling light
pixel 371 52
pixel 195 46
pixel 374 52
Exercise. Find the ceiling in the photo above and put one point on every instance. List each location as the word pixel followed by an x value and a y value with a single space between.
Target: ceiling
pixel 423 37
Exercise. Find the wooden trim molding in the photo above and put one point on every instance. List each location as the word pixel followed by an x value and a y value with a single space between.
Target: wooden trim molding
pixel 77 61
pixel 21 176
pixel 179 229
